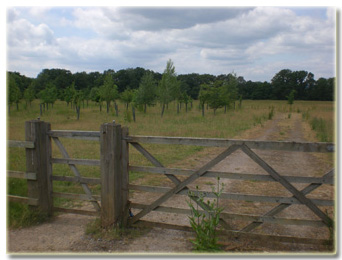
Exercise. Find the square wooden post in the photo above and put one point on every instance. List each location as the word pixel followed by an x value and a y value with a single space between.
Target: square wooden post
pixel 113 200
pixel 38 161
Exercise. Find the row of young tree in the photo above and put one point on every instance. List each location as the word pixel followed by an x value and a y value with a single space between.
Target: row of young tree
pixel 143 88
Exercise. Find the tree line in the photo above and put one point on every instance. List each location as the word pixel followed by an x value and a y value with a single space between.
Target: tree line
pixel 141 88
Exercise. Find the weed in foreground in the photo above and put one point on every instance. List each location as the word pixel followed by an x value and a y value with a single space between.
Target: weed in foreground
pixel 205 224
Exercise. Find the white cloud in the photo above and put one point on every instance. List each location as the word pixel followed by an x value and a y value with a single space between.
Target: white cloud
pixel 252 41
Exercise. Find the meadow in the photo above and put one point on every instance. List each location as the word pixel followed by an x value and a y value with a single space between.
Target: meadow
pixel 319 114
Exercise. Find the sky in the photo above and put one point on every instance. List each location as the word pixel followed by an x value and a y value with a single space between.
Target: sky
pixel 253 42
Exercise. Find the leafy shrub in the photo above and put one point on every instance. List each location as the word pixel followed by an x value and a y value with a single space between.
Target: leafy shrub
pixel 205 223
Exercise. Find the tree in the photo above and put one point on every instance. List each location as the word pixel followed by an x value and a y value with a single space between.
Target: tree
pixel 29 94
pixel 48 95
pixel 127 97
pixel 77 99
pixel 203 96
pixel 217 96
pixel 69 93
pixel 169 86
pixel 108 91
pixel 291 97
pixel 14 93
pixel 146 94
pixel 229 90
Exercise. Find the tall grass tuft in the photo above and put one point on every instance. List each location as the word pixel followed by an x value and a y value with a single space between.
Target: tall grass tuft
pixel 319 125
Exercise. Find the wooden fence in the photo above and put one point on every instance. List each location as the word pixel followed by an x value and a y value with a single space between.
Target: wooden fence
pixel 113 205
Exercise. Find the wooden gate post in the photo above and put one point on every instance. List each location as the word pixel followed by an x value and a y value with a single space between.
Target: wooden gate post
pixel 38 161
pixel 113 199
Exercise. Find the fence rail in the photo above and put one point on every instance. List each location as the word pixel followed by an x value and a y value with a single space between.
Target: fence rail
pixel 217 142
pixel 84 135
pixel 21 144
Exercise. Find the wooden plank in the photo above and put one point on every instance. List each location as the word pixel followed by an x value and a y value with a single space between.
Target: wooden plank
pixel 77 179
pixel 89 162
pixel 77 174
pixel 37 161
pixel 75 196
pixel 300 196
pixel 218 142
pixel 233 196
pixel 186 182
pixel 22 175
pixel 283 206
pixel 83 135
pixel 22 144
pixel 230 175
pixel 125 174
pixel 233 235
pixel 111 174
pixel 245 217
pixel 24 200
pixel 76 211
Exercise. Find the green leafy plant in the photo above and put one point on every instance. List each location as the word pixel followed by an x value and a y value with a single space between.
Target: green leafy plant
pixel 205 223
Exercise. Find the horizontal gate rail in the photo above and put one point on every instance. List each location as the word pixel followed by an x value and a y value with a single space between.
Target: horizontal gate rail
pixel 89 162
pixel 84 135
pixel 20 144
pixel 246 217
pixel 229 234
pixel 230 175
pixel 233 196
pixel 218 142
pixel 24 200
pixel 22 175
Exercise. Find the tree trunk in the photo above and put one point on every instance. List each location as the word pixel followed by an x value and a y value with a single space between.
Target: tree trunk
pixel 177 108
pixel 116 109
pixel 47 106
pixel 133 112
pixel 17 106
pixel 225 108
pixel 78 108
pixel 145 108
pixel 127 106
pixel 41 109
pixel 108 107
pixel 163 108
pixel 203 110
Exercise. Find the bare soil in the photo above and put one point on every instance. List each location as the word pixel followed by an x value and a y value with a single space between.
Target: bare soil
pixel 66 232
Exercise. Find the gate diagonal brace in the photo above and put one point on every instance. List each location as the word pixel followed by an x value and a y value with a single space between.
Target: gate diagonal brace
pixel 283 206
pixel 176 181
pixel 85 187
pixel 297 194
pixel 183 184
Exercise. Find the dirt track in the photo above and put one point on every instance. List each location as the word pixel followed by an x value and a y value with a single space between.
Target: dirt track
pixel 65 233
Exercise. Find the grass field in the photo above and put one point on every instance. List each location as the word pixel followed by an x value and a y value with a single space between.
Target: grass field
pixel 191 124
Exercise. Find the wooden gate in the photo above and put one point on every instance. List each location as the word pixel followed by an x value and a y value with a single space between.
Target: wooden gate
pixel 113 204
pixel 181 187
